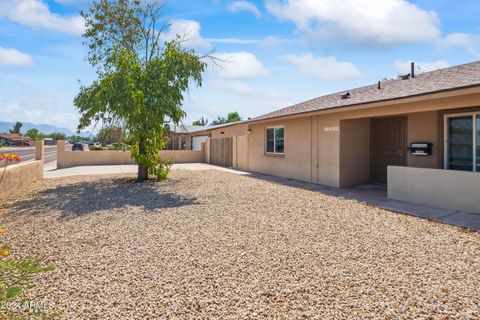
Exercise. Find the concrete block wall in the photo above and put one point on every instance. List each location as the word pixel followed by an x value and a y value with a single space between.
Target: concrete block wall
pixel 68 159
pixel 23 174
pixel 438 188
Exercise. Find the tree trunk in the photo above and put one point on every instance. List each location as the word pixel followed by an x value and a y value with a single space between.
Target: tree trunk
pixel 142 171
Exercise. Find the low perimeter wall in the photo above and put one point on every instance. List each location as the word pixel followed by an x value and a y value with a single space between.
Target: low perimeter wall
pixel 435 187
pixel 67 159
pixel 19 176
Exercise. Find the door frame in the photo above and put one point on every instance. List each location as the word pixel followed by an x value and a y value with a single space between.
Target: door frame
pixel 474 115
pixel 404 149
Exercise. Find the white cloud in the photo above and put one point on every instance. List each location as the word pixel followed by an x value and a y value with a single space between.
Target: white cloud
pixel 36 14
pixel 237 6
pixel 39 108
pixel 13 57
pixel 72 2
pixel 324 68
pixel 380 21
pixel 404 66
pixel 234 41
pixel 236 86
pixel 468 42
pixel 239 66
pixel 189 32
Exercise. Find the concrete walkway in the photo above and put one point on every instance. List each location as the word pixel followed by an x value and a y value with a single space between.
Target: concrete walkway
pixel 51 171
pixel 375 195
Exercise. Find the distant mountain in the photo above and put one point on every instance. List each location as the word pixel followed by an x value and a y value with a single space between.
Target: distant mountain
pixel 44 128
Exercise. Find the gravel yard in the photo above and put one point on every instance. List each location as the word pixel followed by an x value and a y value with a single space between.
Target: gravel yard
pixel 210 244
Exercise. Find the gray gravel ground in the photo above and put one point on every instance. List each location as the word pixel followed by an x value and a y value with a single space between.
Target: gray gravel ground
pixel 214 245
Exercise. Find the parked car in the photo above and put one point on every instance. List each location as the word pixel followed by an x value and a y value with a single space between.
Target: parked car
pixel 94 144
pixel 77 146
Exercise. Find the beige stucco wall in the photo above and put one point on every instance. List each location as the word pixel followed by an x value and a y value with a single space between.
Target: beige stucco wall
pixel 450 189
pixel 354 152
pixel 20 175
pixel 183 156
pixel 295 163
pixel 423 127
pixel 229 131
pixel 67 159
pixel 328 154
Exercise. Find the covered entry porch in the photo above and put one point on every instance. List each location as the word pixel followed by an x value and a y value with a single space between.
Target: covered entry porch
pixel 424 157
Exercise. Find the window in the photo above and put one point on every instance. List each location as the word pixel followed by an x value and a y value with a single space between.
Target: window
pixel 183 143
pixel 462 144
pixel 274 140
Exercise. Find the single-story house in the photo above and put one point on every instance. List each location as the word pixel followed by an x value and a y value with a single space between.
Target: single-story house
pixel 185 137
pixel 5 141
pixel 402 132
pixel 16 139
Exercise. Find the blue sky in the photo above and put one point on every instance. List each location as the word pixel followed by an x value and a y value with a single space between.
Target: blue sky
pixel 278 52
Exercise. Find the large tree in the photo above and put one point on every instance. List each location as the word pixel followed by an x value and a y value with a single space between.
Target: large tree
pixel 201 122
pixel 141 79
pixel 16 128
pixel 57 136
pixel 109 135
pixel 32 133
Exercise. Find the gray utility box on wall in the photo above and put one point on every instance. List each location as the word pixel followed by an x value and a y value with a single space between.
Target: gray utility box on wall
pixel 421 148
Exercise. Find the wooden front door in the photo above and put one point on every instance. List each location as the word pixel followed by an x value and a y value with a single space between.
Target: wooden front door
pixel 387 146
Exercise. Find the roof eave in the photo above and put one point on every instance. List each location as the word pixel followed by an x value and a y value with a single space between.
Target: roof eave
pixel 378 103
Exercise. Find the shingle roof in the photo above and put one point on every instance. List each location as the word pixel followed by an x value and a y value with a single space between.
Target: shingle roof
pixel 181 128
pixel 223 125
pixel 457 77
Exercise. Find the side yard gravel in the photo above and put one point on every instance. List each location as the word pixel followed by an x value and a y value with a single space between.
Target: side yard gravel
pixel 215 245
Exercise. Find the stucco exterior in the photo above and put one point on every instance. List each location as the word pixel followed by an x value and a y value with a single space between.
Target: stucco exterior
pixel 332 147
pixel 68 159
pixel 438 188
pixel 229 130
pixel 21 175
pixel 18 176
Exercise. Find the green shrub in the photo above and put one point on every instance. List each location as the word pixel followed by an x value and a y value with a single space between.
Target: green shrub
pixel 95 148
pixel 161 169
pixel 17 277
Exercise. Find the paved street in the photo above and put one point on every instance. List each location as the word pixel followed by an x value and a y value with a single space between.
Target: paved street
pixel 28 153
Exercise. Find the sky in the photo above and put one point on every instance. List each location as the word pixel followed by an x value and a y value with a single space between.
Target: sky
pixel 275 53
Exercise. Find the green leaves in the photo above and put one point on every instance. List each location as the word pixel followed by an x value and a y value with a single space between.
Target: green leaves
pixel 16 278
pixel 231 117
pixel 141 80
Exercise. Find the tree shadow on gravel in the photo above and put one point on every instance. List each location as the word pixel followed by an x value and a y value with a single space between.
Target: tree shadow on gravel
pixel 87 197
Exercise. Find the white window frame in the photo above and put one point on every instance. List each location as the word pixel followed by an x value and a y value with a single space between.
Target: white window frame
pixel 275 140
pixel 474 136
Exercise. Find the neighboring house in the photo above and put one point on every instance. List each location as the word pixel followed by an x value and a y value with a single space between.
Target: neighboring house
pixel 184 137
pixel 5 141
pixel 17 139
pixel 430 120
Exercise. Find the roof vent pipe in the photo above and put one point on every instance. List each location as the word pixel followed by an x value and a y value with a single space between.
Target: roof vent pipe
pixel 412 71
pixel 379 85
